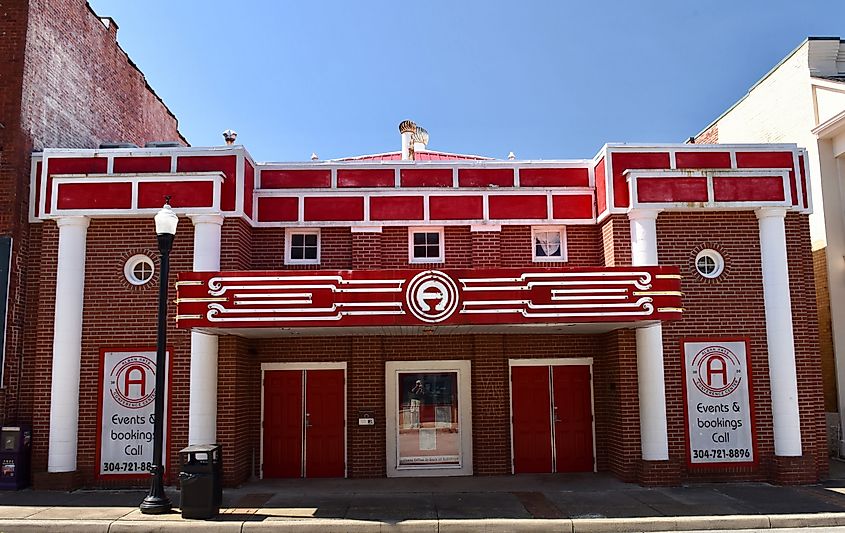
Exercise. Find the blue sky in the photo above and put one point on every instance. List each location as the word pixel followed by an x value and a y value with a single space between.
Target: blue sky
pixel 553 79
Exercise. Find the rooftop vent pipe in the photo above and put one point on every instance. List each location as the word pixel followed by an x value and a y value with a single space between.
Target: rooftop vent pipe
pixel 229 136
pixel 413 138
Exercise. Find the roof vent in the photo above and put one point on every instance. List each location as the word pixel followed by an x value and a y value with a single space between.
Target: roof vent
pixel 163 144
pixel 314 156
pixel 511 156
pixel 413 138
pixel 110 145
pixel 229 136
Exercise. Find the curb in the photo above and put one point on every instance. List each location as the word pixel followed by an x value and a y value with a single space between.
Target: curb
pixel 487 525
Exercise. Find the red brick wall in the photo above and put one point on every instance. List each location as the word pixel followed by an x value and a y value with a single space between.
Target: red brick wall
pixel 732 305
pixel 709 136
pixel 116 315
pixel 64 82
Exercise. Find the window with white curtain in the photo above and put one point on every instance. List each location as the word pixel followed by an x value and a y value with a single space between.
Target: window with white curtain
pixel 549 243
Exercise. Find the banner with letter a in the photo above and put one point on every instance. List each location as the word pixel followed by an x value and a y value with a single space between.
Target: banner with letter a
pixel 127 412
pixel 720 415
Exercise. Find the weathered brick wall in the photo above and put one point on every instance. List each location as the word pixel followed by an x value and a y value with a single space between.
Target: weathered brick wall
pixel 64 82
pixel 708 136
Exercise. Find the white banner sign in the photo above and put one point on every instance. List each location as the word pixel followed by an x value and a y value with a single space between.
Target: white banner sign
pixel 126 426
pixel 718 407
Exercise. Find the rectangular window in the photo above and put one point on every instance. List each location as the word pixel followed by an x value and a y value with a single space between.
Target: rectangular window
pixel 302 247
pixel 428 419
pixel 549 243
pixel 425 245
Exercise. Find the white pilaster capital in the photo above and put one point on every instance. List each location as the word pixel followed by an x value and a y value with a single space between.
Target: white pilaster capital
pixel 206 219
pixel 366 229
pixel 73 221
pixel 770 212
pixel 643 214
pixel 480 228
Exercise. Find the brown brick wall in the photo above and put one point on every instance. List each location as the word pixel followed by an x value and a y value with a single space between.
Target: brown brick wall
pixel 828 357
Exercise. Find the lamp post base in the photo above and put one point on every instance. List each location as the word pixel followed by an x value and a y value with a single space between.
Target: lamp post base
pixel 156 501
pixel 156 505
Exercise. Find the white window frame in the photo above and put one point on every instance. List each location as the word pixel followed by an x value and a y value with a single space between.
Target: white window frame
pixel 422 260
pixel 391 401
pixel 563 247
pixel 289 232
pixel 129 269
pixel 717 258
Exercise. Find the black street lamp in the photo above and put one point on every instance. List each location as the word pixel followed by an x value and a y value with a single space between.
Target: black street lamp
pixel 157 501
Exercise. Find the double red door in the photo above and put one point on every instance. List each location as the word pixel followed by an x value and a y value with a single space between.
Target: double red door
pixel 552 418
pixel 303 423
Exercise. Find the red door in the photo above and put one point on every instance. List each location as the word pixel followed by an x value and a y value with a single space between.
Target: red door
pixel 572 409
pixel 283 423
pixel 324 423
pixel 552 418
pixel 303 423
pixel 532 432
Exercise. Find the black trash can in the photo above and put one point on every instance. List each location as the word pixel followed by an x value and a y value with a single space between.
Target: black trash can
pixel 15 452
pixel 201 480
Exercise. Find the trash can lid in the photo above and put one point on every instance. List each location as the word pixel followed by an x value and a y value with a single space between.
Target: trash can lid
pixel 200 448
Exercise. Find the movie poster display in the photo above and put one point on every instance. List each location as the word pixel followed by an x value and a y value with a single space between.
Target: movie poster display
pixel 719 410
pixel 127 394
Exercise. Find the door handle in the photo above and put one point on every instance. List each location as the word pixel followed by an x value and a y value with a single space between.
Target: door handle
pixel 308 420
pixel 557 419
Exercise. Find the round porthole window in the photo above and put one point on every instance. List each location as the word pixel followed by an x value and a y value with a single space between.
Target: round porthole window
pixel 709 264
pixel 139 269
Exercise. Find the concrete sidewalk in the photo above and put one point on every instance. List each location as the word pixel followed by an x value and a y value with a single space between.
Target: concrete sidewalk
pixel 565 503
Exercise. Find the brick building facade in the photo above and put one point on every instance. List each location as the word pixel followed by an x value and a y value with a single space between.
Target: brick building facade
pixel 64 83
pixel 649 312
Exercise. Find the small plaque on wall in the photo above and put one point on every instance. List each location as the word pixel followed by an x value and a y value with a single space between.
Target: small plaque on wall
pixel 720 418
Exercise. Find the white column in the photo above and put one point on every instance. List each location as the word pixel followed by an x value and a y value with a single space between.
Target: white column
pixel 67 344
pixel 654 437
pixel 202 408
pixel 779 335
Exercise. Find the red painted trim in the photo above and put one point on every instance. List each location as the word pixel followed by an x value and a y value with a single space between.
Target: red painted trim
pixel 601 187
pixel 425 177
pixel 227 164
pixel 396 208
pixel 295 179
pixel 804 185
pixel 623 161
pixel 369 177
pixel 101 195
pixel 782 160
pixel 455 207
pixel 249 188
pixel 699 159
pixel 671 189
pixel 183 193
pixel 567 206
pixel 318 208
pixel 141 165
pixel 554 177
pixel 38 169
pixel 484 177
pixel 71 165
pixel 518 207
pixel 751 405
pixel 169 431
pixel 282 209
pixel 748 189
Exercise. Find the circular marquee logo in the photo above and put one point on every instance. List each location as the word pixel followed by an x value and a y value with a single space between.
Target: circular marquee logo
pixel 716 371
pixel 132 382
pixel 432 296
